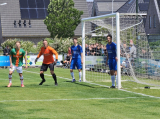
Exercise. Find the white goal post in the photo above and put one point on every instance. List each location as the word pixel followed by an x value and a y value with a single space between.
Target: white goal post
pixel 117 40
pixel 128 32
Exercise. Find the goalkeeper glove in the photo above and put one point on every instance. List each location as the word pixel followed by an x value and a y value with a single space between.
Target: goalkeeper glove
pixel 36 60
pixel 55 62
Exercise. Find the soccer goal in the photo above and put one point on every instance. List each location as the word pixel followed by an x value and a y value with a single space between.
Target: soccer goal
pixel 136 66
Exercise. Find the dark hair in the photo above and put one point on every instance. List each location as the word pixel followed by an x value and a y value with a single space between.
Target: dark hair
pixel 109 36
pixel 124 42
pixel 74 38
pixel 44 40
pixel 18 42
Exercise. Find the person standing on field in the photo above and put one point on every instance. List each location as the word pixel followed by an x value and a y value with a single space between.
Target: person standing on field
pixel 16 62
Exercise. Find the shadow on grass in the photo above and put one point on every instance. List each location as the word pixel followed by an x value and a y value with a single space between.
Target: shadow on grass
pixel 11 86
pixel 82 84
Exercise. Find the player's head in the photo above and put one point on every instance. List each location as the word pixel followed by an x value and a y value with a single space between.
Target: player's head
pixel 18 44
pixel 109 38
pixel 75 41
pixel 45 43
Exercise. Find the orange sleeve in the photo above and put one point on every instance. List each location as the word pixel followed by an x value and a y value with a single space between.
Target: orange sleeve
pixel 40 53
pixel 54 52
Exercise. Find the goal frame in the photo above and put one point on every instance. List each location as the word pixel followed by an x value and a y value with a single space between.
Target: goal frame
pixel 116 15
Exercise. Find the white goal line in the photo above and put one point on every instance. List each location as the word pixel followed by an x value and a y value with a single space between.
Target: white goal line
pixel 103 86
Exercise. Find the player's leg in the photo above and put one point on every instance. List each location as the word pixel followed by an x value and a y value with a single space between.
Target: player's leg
pixel 43 68
pixel 51 66
pixel 115 73
pixel 79 67
pixel 21 79
pixel 11 70
pixel 115 70
pixel 112 73
pixel 19 70
pixel 72 66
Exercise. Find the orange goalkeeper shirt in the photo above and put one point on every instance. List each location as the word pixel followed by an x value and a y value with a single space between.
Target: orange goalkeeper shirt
pixel 48 55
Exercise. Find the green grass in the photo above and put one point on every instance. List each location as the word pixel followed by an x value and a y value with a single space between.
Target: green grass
pixel 72 100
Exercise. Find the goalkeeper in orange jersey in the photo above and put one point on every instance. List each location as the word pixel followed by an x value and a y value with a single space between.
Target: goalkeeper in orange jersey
pixel 48 61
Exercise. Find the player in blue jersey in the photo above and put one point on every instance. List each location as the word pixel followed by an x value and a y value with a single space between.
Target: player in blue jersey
pixel 76 59
pixel 112 57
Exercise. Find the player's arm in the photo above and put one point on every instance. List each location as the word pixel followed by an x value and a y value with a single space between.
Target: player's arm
pixel 10 59
pixel 107 59
pixel 55 53
pixel 38 56
pixel 81 54
pixel 70 56
pixel 116 52
pixel 82 58
pixel 25 57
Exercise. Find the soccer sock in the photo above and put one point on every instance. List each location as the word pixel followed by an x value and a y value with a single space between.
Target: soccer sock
pixel 72 74
pixel 80 74
pixel 21 81
pixel 113 80
pixel 54 77
pixel 116 81
pixel 10 78
pixel 42 76
pixel 21 78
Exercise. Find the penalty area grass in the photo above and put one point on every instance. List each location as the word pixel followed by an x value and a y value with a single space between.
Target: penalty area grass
pixel 69 100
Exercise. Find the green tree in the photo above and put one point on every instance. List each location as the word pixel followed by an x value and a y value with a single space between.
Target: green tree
pixel 62 19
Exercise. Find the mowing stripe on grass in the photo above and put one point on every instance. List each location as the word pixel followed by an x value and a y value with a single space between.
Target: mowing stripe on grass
pixel 47 100
pixel 104 86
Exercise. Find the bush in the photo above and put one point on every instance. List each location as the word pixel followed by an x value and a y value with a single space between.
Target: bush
pixel 26 45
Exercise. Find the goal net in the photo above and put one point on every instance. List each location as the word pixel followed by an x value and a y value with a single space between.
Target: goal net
pixel 136 67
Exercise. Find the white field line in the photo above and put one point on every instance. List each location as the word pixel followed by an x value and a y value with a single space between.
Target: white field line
pixel 48 100
pixel 104 86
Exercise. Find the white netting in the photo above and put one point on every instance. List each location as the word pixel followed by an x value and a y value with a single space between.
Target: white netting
pixel 137 61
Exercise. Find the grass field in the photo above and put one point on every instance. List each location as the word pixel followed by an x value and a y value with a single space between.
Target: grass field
pixel 73 100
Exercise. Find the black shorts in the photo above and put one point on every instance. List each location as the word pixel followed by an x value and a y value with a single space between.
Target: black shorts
pixel 44 67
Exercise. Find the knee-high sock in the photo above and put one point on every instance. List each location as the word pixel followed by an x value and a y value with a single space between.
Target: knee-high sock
pixel 116 80
pixel 72 74
pixel 21 78
pixel 113 80
pixel 42 76
pixel 80 74
pixel 10 78
pixel 54 77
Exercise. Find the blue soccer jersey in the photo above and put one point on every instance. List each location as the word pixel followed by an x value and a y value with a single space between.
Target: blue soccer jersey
pixel 76 57
pixel 111 49
pixel 76 51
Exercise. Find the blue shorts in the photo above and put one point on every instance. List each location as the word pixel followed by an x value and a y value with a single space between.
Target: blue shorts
pixel 77 63
pixel 113 64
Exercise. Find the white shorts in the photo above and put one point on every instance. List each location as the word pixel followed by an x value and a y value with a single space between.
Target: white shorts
pixel 19 69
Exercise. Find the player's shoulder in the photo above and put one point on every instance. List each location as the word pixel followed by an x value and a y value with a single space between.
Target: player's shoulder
pixel 21 49
pixel 114 44
pixel 50 48
pixel 13 49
